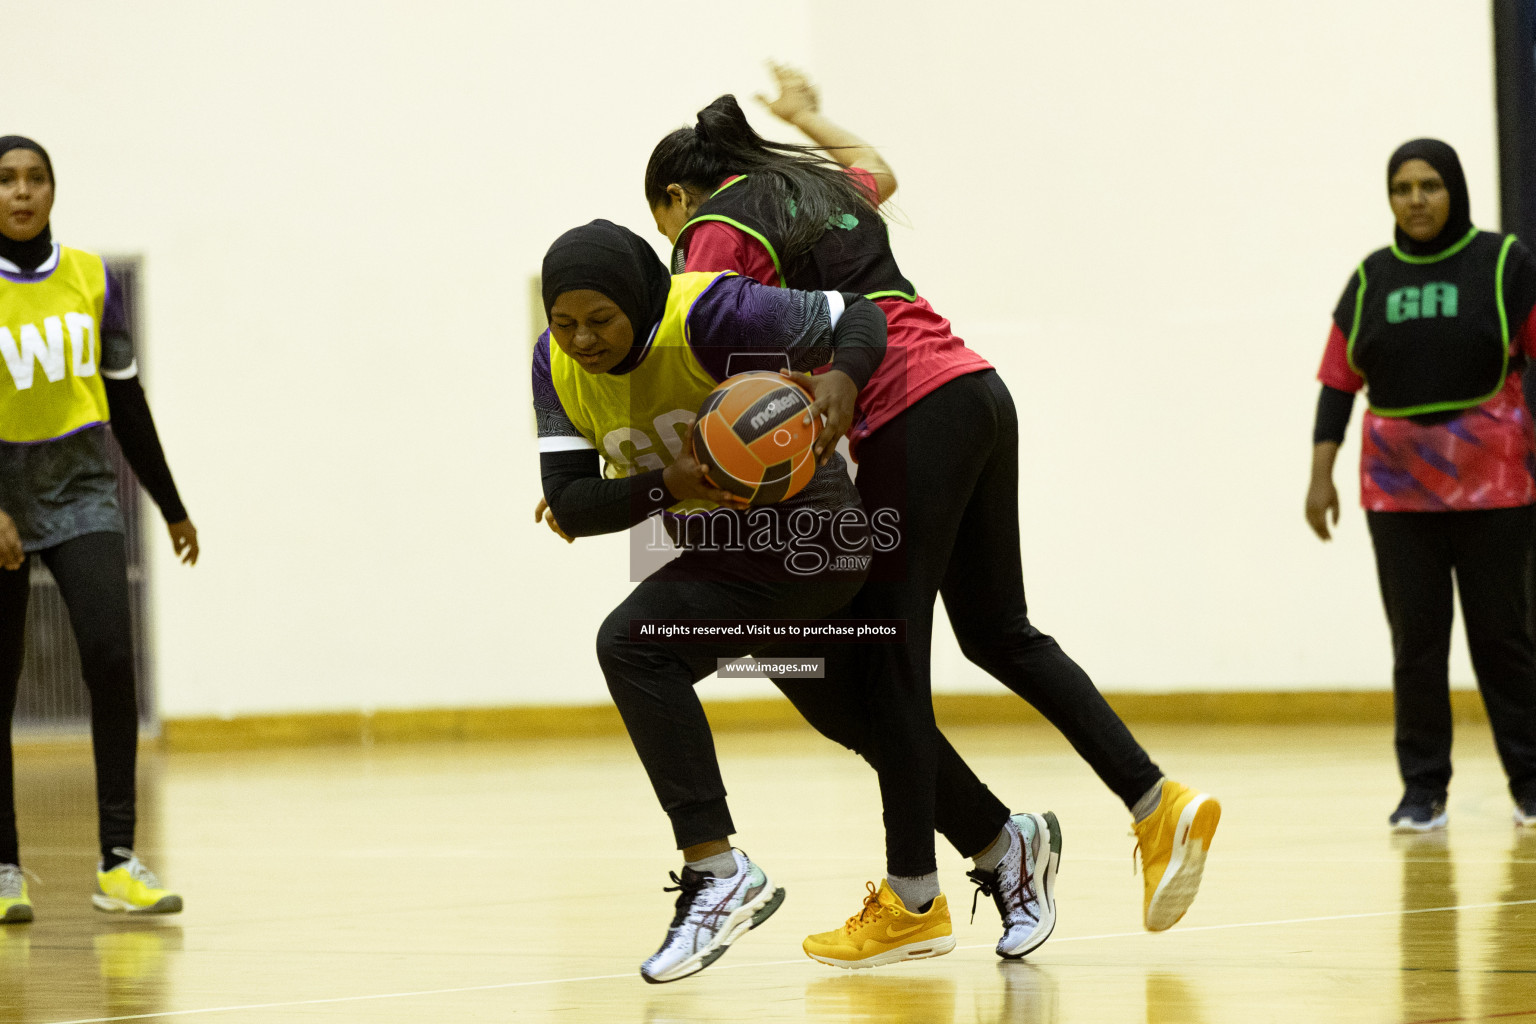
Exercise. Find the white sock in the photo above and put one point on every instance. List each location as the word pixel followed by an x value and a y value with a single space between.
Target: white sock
pixel 1144 807
pixel 916 891
pixel 721 865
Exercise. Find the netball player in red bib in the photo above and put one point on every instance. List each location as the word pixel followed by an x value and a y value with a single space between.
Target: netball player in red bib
pixel 936 439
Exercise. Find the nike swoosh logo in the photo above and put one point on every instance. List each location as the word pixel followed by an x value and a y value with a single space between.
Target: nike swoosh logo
pixel 897 933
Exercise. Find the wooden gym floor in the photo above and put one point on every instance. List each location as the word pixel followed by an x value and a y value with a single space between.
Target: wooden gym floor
pixel 522 881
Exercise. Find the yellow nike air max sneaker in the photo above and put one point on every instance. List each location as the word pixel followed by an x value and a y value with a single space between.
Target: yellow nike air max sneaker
pixel 1173 842
pixel 884 931
pixel 15 907
pixel 131 888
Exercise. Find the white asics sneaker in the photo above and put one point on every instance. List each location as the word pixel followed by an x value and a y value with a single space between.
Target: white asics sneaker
pixel 1024 885
pixel 711 914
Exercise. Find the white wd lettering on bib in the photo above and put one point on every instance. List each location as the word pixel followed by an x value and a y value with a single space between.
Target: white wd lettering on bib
pixel 22 359
pixel 50 339
pixel 82 339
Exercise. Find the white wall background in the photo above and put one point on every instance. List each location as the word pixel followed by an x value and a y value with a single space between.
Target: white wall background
pixel 1142 214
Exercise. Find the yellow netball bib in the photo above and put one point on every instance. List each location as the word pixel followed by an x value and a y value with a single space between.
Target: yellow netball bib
pixel 639 421
pixel 50 347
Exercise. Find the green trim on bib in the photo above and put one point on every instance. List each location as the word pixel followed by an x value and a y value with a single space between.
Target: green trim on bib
pixel 1354 330
pixel 1466 240
pixel 739 226
pixel 734 181
pixel 1498 284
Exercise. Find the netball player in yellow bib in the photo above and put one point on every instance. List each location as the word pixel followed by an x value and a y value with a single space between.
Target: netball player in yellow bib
pixel 66 368
pixel 630 356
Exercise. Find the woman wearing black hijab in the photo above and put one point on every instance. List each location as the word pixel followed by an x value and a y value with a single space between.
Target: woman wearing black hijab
pixel 630 356
pixel 1438 328
pixel 68 369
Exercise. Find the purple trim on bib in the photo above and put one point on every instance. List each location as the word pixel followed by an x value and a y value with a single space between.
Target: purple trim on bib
pixel 69 433
pixel 34 277
pixel 28 278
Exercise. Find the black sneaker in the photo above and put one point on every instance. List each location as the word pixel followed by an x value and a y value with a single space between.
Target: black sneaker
pixel 1419 812
pixel 1525 812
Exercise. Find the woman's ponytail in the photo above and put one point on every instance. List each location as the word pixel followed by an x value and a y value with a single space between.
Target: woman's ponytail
pixel 723 127
pixel 800 190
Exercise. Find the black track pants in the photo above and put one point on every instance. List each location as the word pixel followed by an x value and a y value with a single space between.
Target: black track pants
pixel 950 465
pixel 92 575
pixel 652 681
pixel 965 811
pixel 1487 553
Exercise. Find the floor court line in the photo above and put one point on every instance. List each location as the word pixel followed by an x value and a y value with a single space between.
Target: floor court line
pixel 781 963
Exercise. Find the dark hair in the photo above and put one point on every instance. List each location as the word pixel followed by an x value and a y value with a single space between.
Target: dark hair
pixel 10 142
pixel 799 189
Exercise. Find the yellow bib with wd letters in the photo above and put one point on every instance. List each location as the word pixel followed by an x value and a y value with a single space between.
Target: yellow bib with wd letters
pixel 50 345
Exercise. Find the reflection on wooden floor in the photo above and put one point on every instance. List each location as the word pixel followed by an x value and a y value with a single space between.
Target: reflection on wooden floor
pixel 522 881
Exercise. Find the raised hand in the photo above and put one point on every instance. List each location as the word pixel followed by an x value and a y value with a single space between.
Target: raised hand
pixel 797 95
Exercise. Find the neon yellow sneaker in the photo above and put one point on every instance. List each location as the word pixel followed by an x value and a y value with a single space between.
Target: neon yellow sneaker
pixel 1173 842
pixel 15 907
pixel 884 931
pixel 131 888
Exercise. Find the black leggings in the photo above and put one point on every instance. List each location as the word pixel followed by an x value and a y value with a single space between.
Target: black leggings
pixel 652 681
pixel 92 574
pixel 950 464
pixel 1417 554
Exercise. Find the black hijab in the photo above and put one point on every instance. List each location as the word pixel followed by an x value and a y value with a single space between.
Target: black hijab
pixel 1444 160
pixel 618 263
pixel 31 254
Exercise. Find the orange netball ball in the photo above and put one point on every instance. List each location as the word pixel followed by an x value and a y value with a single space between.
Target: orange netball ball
pixel 751 439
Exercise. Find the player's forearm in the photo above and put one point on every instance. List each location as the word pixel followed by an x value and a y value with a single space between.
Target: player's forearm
pixel 586 504
pixel 1324 453
pixel 1332 419
pixel 846 148
pixel 134 428
pixel 858 340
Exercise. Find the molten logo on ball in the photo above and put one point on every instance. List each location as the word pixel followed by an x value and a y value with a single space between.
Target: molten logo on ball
pixel 771 411
pixel 751 439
